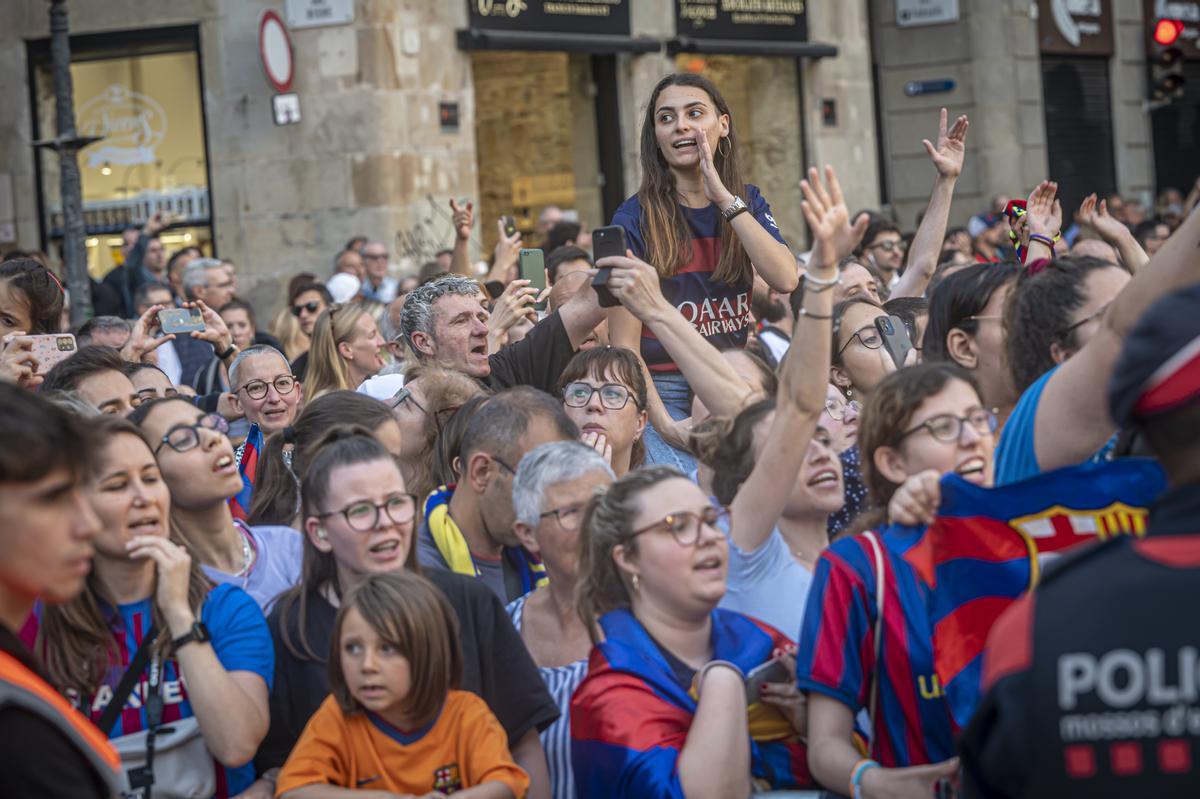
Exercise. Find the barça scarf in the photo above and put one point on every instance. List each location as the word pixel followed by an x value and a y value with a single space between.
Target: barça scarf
pixel 239 504
pixel 983 549
pixel 453 547
pixel 630 716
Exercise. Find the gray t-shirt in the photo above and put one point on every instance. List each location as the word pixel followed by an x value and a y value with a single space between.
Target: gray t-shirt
pixel 278 555
pixel 490 571
pixel 768 584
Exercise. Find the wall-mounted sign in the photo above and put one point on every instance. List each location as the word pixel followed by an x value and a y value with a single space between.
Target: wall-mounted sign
pixel 286 108
pixel 913 13
pixel 275 51
pixel 316 13
pixel 1184 11
pixel 1075 27
pixel 915 88
pixel 133 126
pixel 603 17
pixel 784 20
pixel 448 117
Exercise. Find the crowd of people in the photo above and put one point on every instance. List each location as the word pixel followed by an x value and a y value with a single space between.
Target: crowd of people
pixel 415 536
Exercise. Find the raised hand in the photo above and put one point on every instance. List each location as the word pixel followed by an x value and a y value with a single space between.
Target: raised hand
pixel 828 218
pixel 17 362
pixel 635 283
pixel 951 148
pixel 916 501
pixel 1095 215
pixel 504 260
pixel 142 342
pixel 215 331
pixel 714 189
pixel 1043 211
pixel 464 219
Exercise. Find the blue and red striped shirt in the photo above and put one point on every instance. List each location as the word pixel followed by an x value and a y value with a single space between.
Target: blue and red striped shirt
pixel 720 311
pixel 913 725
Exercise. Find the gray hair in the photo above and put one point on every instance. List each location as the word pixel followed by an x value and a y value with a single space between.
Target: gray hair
pixel 98 324
pixel 250 352
pixel 417 315
pixel 370 243
pixel 196 275
pixel 547 465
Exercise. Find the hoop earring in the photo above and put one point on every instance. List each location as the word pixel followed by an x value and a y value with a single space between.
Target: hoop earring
pixel 728 149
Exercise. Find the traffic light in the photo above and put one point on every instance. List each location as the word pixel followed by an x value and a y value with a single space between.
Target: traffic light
pixel 1166 62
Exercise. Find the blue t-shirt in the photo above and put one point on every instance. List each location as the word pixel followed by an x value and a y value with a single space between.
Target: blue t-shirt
pixel 1016 457
pixel 767 583
pixel 240 639
pixel 720 311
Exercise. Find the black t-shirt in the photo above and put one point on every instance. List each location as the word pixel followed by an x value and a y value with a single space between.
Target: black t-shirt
pixel 1094 674
pixel 36 758
pixel 496 667
pixel 300 366
pixel 536 360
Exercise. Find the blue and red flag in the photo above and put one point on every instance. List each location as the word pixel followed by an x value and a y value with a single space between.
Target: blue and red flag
pixel 630 716
pixel 239 504
pixel 982 552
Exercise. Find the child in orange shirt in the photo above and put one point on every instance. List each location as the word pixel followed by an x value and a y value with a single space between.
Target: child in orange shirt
pixel 393 724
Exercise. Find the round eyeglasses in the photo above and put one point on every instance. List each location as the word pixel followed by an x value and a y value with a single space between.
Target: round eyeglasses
pixel 837 410
pixel 183 437
pixel 613 396
pixel 685 526
pixel 364 516
pixel 258 389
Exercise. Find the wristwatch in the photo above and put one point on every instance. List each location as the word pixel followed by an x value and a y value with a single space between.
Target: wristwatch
pixel 736 207
pixel 198 633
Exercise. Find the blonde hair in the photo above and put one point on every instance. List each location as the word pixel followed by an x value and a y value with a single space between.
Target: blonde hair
pixel 326 367
pixel 445 390
pixel 286 327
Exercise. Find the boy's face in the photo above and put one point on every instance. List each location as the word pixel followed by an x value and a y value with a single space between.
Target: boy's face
pixel 377 675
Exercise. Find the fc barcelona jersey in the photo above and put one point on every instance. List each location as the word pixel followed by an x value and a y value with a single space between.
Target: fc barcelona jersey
pixel 720 311
pixel 912 724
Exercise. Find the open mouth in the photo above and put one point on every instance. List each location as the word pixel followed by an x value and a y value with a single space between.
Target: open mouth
pixel 825 477
pixel 389 547
pixel 224 463
pixel 709 564
pixel 480 350
pixel 149 526
pixel 972 468
pixel 682 143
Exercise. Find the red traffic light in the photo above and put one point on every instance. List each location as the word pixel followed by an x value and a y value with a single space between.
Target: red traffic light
pixel 1166 31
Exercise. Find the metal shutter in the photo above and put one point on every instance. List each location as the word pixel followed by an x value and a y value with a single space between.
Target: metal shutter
pixel 1177 136
pixel 1079 138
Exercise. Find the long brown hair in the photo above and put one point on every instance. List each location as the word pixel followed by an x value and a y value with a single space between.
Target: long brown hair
pixel 410 613
pixel 668 239
pixel 75 639
pixel 623 366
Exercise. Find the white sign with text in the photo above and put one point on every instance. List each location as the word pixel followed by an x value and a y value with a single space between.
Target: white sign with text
pixel 316 13
pixel 912 13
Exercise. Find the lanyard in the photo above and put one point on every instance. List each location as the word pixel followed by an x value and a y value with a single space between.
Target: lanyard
pixel 143 777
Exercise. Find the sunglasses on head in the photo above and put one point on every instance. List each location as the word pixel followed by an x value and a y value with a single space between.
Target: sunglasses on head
pixel 311 307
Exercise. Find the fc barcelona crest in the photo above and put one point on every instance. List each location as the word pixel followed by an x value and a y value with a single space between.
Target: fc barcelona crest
pixel 447 779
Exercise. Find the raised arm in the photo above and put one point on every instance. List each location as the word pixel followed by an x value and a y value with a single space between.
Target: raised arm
pixel 1095 215
pixel 1073 421
pixel 947 157
pixel 803 375
pixel 464 220
pixel 771 258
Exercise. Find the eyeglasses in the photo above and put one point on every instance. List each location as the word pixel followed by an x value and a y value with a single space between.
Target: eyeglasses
pixel 183 437
pixel 568 518
pixel 685 526
pixel 310 307
pixel 837 410
pixel 982 317
pixel 1074 326
pixel 364 516
pixel 868 336
pixel 510 469
pixel 375 256
pixel 612 396
pixel 948 428
pixel 257 389
pixel 405 395
pixel 889 246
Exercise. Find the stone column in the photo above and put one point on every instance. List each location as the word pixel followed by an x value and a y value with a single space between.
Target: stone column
pixel 1131 123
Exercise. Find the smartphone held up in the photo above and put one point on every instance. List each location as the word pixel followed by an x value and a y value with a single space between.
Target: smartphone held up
pixel 606 241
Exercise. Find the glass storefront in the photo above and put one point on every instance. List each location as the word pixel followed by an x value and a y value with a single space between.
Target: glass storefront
pixel 152 157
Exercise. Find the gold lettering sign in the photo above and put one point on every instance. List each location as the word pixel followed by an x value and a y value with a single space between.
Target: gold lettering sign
pixel 555 189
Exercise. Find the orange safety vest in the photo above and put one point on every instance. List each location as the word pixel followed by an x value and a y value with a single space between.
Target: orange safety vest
pixel 20 687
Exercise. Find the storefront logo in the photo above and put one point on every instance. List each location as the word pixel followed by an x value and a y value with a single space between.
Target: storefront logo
pixel 133 126
pixel 508 8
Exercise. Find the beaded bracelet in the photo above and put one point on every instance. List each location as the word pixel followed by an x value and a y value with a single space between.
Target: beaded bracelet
pixel 819 285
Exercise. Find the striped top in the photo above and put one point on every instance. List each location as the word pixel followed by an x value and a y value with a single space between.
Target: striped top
pixel 561 681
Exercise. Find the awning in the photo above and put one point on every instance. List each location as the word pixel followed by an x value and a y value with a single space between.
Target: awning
pixel 487 39
pixel 763 47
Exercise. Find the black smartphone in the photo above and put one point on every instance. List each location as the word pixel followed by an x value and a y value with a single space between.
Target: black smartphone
pixel 895 338
pixel 510 225
pixel 533 269
pixel 180 320
pixel 606 241
pixel 771 671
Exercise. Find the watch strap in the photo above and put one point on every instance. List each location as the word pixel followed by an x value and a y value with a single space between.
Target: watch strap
pixel 197 633
pixel 738 206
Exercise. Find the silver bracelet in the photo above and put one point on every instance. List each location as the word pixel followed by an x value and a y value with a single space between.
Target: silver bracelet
pixel 698 680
